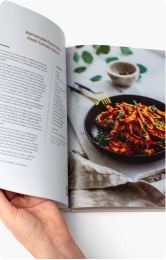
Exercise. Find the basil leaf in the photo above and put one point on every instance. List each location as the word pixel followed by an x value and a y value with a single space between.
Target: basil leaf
pixel 126 50
pixel 104 49
pixel 80 69
pixel 87 57
pixel 139 77
pixel 96 78
pixel 111 59
pixel 96 47
pixel 79 46
pixel 142 69
pixel 76 57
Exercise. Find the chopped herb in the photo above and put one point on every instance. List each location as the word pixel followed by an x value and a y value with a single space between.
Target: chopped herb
pixel 160 144
pixel 143 133
pixel 130 134
pixel 158 122
pixel 141 109
pixel 119 114
pixel 143 137
pixel 159 118
pixel 104 121
pixel 106 138
pixel 152 108
pixel 102 138
pixel 135 103
pixel 145 124
pixel 111 123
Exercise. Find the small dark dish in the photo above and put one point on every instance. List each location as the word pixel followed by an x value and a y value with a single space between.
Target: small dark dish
pixel 91 128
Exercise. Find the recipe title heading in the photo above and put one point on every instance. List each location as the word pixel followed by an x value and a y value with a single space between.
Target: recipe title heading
pixel 40 40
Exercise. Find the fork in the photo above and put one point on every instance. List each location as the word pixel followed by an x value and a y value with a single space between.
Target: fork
pixel 101 95
pixel 95 101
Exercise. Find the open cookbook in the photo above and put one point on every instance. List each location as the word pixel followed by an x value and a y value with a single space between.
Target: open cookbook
pixel 83 126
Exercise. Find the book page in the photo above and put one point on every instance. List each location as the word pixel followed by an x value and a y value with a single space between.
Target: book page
pixel 33 121
pixel 116 147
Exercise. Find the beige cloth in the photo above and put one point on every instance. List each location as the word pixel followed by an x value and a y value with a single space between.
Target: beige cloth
pixel 93 185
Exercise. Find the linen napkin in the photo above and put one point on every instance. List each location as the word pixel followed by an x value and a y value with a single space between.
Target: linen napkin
pixel 93 185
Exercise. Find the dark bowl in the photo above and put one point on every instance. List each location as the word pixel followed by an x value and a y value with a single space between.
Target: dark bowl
pixel 91 128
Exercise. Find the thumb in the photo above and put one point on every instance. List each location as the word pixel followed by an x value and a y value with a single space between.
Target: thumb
pixel 7 211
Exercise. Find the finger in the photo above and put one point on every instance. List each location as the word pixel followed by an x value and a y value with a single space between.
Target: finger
pixel 26 201
pixel 18 202
pixel 6 209
pixel 10 195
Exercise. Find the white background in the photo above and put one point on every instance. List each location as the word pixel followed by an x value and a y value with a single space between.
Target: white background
pixel 138 24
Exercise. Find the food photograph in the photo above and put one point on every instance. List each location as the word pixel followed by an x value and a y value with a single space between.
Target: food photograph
pixel 116 127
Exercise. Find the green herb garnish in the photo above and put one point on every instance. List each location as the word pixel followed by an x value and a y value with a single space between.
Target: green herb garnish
pixel 143 137
pixel 102 138
pixel 104 121
pixel 135 103
pixel 152 108
pixel 160 143
pixel 143 133
pixel 145 125
pixel 111 123
pixel 119 114
pixel 159 118
pixel 158 122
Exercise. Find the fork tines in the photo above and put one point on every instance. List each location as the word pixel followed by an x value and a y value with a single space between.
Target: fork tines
pixel 104 98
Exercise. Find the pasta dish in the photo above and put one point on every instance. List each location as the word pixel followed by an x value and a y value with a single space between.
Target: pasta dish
pixel 131 129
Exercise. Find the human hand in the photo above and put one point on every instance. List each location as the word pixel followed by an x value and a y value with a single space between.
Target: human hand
pixel 38 225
